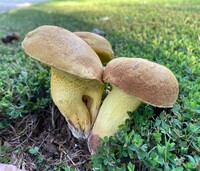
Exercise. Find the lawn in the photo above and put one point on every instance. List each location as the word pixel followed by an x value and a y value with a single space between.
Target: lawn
pixel 34 134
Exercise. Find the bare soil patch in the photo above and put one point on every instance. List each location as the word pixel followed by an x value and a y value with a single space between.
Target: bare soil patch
pixel 47 131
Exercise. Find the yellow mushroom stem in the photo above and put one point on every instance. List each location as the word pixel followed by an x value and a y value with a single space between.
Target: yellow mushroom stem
pixel 77 99
pixel 112 114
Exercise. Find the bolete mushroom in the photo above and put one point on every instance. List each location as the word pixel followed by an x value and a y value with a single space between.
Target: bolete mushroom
pixel 99 44
pixel 134 81
pixel 76 74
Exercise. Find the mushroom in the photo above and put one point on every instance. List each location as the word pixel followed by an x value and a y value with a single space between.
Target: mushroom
pixel 99 44
pixel 134 80
pixel 76 74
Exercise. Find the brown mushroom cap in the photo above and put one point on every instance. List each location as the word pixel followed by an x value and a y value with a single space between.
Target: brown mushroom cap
pixel 99 44
pixel 148 81
pixel 62 49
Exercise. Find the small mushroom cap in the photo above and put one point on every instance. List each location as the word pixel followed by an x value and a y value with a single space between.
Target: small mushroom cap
pixel 150 82
pixel 62 49
pixel 99 44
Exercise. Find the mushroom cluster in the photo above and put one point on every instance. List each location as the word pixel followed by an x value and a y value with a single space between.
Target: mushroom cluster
pixel 78 79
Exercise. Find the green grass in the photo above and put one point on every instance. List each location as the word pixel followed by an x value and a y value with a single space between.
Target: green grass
pixel 164 31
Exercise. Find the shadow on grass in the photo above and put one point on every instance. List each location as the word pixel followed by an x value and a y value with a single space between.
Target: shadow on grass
pixel 26 20
pixel 135 41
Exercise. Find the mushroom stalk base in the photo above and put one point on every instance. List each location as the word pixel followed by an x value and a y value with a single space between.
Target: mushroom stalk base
pixel 77 99
pixel 112 114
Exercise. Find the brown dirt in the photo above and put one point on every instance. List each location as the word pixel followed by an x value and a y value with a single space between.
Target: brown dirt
pixel 48 131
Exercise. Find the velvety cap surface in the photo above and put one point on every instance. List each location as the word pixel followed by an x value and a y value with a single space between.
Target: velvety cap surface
pixel 62 49
pixel 148 81
pixel 99 44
